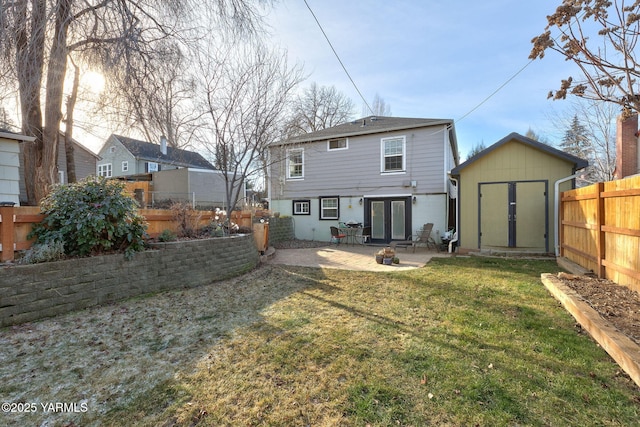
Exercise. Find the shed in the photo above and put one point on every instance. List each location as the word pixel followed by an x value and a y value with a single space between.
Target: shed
pixel 506 195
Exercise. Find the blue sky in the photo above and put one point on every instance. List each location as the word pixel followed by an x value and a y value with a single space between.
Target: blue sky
pixel 432 59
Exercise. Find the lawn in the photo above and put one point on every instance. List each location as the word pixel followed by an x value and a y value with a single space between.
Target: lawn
pixel 473 341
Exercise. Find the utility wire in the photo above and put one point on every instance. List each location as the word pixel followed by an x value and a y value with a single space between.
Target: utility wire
pixel 338 57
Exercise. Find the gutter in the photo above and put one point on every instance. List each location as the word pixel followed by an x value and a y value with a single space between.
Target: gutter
pixel 455 235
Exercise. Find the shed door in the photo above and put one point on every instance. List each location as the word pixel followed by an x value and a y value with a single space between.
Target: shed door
pixel 513 215
pixel 494 215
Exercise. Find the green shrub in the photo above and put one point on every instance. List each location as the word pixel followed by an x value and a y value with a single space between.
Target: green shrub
pixel 167 236
pixel 44 252
pixel 90 217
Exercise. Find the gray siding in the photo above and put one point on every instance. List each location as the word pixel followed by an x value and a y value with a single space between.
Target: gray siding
pixel 115 157
pixel 9 170
pixel 357 170
pixel 85 161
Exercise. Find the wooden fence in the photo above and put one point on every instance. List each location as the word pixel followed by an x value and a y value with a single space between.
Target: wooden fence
pixel 16 223
pixel 600 229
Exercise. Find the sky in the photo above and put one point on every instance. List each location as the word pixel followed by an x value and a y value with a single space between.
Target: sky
pixel 432 59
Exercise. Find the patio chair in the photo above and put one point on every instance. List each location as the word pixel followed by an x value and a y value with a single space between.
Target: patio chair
pixel 336 235
pixel 364 235
pixel 424 237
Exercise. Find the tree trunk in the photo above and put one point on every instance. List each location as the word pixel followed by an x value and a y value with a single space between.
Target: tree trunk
pixel 53 103
pixel 68 134
pixel 29 67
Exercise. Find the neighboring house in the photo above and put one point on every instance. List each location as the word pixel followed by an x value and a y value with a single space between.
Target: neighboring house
pixel 205 189
pixel 389 173
pixel 84 159
pixel 507 194
pixel 10 165
pixel 122 156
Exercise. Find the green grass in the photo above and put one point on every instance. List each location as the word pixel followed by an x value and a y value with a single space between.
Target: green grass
pixel 460 342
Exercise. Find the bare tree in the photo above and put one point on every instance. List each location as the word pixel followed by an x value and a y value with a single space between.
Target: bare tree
pixel 598 127
pixel 38 35
pixel 600 37
pixel 319 107
pixel 247 92
pixel 378 107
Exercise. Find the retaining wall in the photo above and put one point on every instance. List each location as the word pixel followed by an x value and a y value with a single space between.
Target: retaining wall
pixel 32 292
pixel 281 229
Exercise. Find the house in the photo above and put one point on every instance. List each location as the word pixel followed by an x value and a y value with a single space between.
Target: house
pixel 85 161
pixel 389 173
pixel 506 195
pixel 122 156
pixel 10 165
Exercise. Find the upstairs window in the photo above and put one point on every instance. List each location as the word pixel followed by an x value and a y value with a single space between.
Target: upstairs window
pixel 295 163
pixel 393 154
pixel 337 144
pixel 125 166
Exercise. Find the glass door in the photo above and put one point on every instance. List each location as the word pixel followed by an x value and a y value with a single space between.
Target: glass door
pixel 389 218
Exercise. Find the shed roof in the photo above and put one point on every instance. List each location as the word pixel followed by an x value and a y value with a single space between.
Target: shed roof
pixel 175 156
pixel 577 161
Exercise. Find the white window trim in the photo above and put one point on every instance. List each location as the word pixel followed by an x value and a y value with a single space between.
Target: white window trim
pixel 301 203
pixel 346 147
pixel 289 151
pixel 112 149
pixel 337 208
pixel 125 166
pixel 404 155
pixel 109 170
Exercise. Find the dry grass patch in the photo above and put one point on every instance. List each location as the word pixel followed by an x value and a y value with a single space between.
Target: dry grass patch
pixel 459 342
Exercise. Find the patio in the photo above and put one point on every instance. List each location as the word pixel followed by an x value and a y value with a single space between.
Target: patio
pixel 352 257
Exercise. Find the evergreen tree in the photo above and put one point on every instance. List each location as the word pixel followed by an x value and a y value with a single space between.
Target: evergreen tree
pixel 576 140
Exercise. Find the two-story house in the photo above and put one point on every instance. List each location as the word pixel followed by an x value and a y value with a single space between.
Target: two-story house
pixel 123 156
pixel 389 173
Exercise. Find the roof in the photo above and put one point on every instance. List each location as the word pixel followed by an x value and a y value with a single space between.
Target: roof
pixel 175 156
pixel 577 161
pixel 365 126
pixel 7 134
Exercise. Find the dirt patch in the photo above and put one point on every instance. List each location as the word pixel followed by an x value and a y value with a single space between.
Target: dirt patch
pixel 617 304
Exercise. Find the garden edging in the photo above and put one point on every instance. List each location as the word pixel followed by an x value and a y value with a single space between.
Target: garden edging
pixel 623 350
pixel 32 292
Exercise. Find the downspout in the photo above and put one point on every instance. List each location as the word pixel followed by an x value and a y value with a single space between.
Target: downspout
pixel 455 235
pixel 556 210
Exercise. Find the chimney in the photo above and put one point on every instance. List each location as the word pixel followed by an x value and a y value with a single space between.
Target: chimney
pixel 163 145
pixel 626 146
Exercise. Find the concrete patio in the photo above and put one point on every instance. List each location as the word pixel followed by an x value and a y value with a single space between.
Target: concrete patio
pixel 352 257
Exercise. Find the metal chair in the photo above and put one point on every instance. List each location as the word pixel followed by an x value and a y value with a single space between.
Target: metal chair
pixel 364 235
pixel 424 237
pixel 336 236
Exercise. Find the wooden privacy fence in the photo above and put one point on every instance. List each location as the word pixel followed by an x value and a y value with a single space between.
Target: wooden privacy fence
pixel 600 229
pixel 16 223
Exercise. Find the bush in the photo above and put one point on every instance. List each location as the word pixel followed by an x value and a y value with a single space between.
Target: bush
pixel 43 252
pixel 90 217
pixel 167 236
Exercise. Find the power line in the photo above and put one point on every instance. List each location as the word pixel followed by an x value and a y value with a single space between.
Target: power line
pixel 338 57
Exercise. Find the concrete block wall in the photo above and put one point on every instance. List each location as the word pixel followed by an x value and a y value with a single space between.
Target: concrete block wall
pixel 32 292
pixel 281 229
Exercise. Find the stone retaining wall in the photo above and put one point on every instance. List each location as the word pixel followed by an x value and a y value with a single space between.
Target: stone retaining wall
pixel 281 229
pixel 32 292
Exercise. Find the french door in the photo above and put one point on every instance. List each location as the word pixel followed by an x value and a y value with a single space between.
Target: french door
pixel 390 218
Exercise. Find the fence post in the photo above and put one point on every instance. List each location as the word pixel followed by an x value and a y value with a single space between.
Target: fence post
pixel 6 233
pixel 601 235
